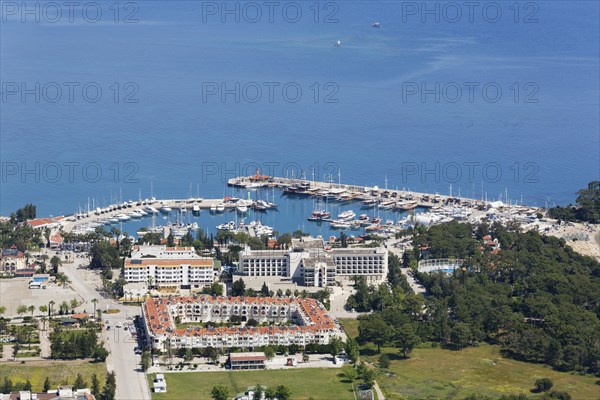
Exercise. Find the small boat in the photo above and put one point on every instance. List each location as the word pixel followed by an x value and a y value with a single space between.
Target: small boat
pixel 113 220
pixel 242 208
pixel 195 208
pixel 220 207
pixel 319 215
pixel 165 209
pixel 338 43
pixel 213 208
pixel 376 24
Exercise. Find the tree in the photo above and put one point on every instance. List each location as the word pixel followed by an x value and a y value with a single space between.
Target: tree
pixel 100 353
pixel 95 385
pixel 238 288
pixel 55 262
pixel 372 328
pixel 369 376
pixel 104 256
pixel 259 391
pixel 264 290
pixel 352 350
pixel 188 355
pixel 7 385
pixel 31 309
pixel 216 289
pixel 271 393
pixel 94 302
pixel 47 385
pixel 79 382
pixel 305 357
pixel 349 373
pixel 74 304
pixel 2 310
pixel 269 352
pixel 220 392
pixel 461 335
pixel 335 346
pixel 22 309
pixel 27 386
pixel 283 392
pixel 146 361
pixel 110 387
pixel 406 339
pixel 384 361
pixel 543 385
pixel 43 309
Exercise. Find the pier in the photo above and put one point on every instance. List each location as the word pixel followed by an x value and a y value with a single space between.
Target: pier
pixel 340 192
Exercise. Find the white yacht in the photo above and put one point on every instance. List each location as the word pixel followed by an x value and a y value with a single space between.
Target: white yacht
pixel 346 215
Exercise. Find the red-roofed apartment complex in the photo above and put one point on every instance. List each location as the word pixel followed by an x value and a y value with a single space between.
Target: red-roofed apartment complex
pixel 311 322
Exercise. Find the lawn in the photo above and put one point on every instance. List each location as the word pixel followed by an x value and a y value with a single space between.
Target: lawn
pixel 59 372
pixel 432 373
pixel 319 383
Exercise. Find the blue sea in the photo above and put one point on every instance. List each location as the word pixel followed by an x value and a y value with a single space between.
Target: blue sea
pixel 116 101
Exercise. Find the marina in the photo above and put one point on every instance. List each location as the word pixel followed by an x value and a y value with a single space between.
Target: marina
pixel 260 205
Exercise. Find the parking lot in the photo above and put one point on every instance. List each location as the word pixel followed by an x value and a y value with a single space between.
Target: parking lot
pixel 15 292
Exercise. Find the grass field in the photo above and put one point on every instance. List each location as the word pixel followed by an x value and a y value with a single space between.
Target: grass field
pixel 434 373
pixel 319 383
pixel 59 372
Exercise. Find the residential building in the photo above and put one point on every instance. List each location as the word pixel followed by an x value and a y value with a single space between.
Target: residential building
pixel 11 260
pixel 295 321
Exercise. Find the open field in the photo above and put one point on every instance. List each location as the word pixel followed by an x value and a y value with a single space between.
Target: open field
pixel 321 384
pixel 432 373
pixel 59 372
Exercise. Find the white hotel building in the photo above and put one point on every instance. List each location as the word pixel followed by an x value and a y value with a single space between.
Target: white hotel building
pixel 169 267
pixel 308 263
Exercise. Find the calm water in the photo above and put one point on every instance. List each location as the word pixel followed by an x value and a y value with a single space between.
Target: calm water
pixel 539 140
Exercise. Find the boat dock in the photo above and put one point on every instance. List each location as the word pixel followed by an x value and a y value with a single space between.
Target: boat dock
pixel 348 193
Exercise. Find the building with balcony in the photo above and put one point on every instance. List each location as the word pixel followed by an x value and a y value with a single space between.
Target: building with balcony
pixel 173 267
pixel 293 321
pixel 307 262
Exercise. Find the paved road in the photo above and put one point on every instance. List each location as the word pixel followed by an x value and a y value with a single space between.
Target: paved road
pixel 131 382
pixel 416 286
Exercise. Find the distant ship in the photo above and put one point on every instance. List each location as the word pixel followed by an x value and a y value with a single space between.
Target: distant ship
pixel 376 24
pixel 338 43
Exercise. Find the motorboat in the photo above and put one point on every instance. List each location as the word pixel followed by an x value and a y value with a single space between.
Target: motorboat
pixel 195 208
pixel 346 215
pixel 213 208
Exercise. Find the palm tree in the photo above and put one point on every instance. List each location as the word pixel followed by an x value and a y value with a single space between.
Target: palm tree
pixel 94 301
pixel 22 309
pixel 50 304
pixel 31 309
